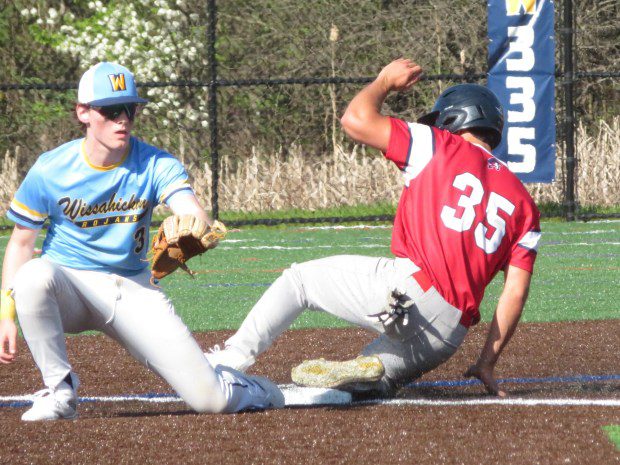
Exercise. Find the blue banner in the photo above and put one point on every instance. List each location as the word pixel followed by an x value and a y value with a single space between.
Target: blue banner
pixel 522 74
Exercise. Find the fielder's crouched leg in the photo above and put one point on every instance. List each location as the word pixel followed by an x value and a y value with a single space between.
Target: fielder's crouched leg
pixel 41 291
pixel 47 307
pixel 144 322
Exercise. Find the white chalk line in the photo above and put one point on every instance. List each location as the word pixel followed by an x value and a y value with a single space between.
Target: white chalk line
pixel 370 246
pixel 356 226
pixel 567 402
pixel 579 233
pixel 603 221
pixel 572 244
pixel 308 247
pixel 510 402
pixel 153 399
pixel 379 246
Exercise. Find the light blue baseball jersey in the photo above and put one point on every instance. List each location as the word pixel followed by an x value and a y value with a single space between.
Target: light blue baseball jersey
pixel 99 217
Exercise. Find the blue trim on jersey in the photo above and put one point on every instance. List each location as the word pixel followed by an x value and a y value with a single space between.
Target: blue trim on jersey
pixel 18 218
pixel 534 251
pixel 408 148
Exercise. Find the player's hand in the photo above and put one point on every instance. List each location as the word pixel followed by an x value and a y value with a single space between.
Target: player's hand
pixel 8 340
pixel 484 372
pixel 400 75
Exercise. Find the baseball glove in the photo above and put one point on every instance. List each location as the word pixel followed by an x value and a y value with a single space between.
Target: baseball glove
pixel 181 237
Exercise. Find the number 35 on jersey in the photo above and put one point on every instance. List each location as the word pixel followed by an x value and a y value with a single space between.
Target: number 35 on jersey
pixel 467 218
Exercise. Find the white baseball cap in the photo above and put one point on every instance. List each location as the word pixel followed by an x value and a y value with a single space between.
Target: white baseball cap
pixel 107 84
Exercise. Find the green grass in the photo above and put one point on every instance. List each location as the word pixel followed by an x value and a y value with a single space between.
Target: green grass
pixel 556 210
pixel 576 278
pixel 550 211
pixel 577 273
pixel 339 212
pixel 613 432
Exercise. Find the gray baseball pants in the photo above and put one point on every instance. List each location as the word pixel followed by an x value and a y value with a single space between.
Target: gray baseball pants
pixel 353 287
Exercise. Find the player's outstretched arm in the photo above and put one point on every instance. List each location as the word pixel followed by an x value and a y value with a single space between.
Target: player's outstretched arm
pixel 362 119
pixel 187 233
pixel 185 203
pixel 18 251
pixel 505 320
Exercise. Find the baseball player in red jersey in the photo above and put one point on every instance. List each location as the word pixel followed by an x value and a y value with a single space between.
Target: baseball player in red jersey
pixel 462 217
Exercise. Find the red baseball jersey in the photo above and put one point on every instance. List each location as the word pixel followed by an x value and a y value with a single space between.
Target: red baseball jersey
pixel 462 216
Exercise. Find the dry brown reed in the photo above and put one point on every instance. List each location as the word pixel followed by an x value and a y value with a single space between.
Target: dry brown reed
pixel 597 177
pixel 9 178
pixel 261 182
pixel 264 183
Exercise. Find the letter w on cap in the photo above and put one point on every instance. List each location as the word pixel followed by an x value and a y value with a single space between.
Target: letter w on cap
pixel 118 82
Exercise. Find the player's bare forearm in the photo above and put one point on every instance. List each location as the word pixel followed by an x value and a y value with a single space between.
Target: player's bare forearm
pixel 19 250
pixel 505 320
pixel 186 204
pixel 363 120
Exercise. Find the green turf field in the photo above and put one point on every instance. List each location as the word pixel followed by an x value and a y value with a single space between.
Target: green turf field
pixel 577 274
pixel 613 431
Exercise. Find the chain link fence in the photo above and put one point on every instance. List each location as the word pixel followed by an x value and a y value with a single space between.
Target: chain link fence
pixel 271 143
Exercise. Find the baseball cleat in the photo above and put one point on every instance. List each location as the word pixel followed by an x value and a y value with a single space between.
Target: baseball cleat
pixel 274 398
pixel 247 392
pixel 328 374
pixel 229 357
pixel 59 403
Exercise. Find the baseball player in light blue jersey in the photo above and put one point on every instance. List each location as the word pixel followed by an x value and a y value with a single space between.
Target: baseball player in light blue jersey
pixel 97 195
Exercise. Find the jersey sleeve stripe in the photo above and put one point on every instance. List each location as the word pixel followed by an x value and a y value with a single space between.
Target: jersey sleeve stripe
pixel 408 148
pixel 25 216
pixel 24 220
pixel 530 240
pixel 173 190
pixel 24 210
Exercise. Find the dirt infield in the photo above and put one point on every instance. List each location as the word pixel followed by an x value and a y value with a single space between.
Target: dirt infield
pixel 138 432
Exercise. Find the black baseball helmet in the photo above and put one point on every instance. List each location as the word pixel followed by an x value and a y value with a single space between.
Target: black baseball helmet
pixel 467 106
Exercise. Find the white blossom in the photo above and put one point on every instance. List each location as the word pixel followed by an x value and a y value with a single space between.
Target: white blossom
pixel 160 46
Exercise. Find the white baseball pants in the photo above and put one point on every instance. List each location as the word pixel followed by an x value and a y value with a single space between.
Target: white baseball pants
pixel 52 300
pixel 353 287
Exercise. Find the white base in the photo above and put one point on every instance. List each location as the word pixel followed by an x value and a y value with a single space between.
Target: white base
pixel 299 396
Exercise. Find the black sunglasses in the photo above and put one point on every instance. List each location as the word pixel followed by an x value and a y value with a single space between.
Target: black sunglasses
pixel 112 112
